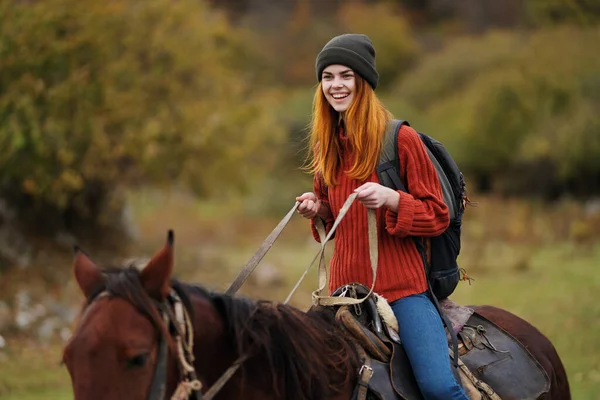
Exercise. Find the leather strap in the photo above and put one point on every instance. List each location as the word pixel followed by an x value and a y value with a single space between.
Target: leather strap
pixel 480 385
pixel 214 389
pixel 158 386
pixel 371 342
pixel 260 253
pixel 159 381
pixel 323 271
pixel 364 377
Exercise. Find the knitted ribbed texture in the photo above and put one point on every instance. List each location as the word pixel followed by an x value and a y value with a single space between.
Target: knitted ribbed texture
pixel 423 212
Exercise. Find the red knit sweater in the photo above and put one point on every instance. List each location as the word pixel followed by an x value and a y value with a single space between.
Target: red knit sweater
pixel 400 272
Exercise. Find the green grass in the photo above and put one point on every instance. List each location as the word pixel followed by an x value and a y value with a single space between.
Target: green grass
pixel 29 370
pixel 42 394
pixel 550 280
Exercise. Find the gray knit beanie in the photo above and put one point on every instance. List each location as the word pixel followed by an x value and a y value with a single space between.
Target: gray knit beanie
pixel 352 50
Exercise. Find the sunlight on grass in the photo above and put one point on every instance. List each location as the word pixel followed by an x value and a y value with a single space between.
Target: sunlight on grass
pixel 29 370
pixel 41 395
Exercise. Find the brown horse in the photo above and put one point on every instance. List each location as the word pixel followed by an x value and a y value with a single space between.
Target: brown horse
pixel 115 352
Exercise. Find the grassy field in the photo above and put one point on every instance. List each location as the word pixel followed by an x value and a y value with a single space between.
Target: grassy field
pixel 538 262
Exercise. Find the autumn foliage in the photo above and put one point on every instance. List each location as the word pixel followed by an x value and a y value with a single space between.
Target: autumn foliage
pixel 99 95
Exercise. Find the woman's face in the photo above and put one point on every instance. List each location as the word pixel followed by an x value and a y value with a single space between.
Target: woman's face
pixel 339 86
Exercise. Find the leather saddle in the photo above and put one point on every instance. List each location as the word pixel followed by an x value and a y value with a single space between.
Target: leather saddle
pixel 487 354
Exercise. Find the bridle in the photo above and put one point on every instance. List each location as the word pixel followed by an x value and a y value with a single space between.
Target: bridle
pixel 174 315
pixel 177 320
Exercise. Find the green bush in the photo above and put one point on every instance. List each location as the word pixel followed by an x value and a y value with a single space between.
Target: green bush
pixel 99 95
pixel 553 12
pixel 397 50
pixel 516 109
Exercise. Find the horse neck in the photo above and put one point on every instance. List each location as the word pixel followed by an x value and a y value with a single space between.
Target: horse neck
pixel 212 351
pixel 321 355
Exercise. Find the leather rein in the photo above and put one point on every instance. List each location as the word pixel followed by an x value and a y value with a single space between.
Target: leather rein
pixel 178 316
pixel 317 297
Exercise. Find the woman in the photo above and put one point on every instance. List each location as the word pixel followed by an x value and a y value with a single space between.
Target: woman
pixel 348 125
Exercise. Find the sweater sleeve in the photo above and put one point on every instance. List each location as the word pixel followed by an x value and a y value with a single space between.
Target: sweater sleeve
pixel 322 194
pixel 422 211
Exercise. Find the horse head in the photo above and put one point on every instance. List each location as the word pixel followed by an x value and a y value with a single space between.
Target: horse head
pixel 142 335
pixel 120 348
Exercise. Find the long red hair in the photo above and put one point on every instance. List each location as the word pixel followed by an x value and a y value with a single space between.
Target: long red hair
pixel 365 123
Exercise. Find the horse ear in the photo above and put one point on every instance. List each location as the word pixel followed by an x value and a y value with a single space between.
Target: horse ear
pixel 87 274
pixel 156 276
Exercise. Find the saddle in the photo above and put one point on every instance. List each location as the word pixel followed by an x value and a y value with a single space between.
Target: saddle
pixel 491 365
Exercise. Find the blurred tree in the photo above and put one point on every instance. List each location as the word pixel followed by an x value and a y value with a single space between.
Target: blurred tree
pixel 471 16
pixel 390 33
pixel 515 109
pixel 290 35
pixel 553 12
pixel 99 95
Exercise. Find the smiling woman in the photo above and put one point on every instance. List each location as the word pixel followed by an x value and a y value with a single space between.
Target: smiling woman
pixel 339 85
pixel 348 128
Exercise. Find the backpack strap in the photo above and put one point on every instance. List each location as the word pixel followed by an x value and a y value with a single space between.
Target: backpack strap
pixel 388 171
pixel 388 168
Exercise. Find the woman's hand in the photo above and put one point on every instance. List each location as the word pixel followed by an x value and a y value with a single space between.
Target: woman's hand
pixel 374 195
pixel 310 206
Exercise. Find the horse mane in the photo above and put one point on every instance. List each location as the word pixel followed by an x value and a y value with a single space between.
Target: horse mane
pixel 124 282
pixel 305 353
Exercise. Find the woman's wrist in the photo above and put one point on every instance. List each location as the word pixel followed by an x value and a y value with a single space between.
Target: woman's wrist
pixel 324 212
pixel 393 201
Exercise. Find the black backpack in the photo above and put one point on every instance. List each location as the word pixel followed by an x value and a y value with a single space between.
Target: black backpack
pixel 442 271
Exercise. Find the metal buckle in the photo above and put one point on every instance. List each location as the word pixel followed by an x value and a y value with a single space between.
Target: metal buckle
pixel 362 369
pixel 344 291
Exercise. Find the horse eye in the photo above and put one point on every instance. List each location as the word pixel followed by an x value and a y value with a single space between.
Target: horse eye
pixel 137 361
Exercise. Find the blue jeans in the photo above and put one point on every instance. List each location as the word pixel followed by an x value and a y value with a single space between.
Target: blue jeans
pixel 424 338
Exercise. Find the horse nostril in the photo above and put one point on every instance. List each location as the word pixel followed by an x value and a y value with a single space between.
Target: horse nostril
pixel 137 361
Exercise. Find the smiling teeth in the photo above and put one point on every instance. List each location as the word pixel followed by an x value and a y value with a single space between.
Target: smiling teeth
pixel 339 96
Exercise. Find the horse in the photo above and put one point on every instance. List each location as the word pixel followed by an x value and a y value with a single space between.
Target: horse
pixel 124 345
